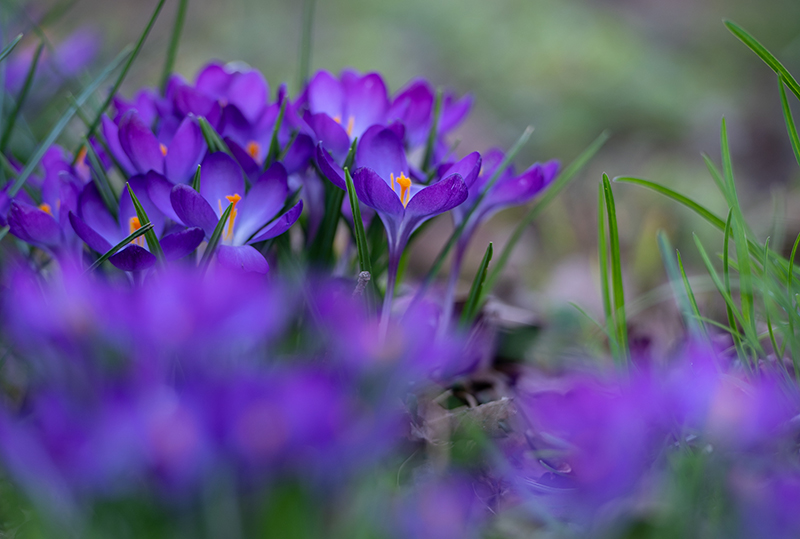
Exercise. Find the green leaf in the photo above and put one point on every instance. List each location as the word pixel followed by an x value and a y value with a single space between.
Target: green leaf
pixel 716 176
pixel 305 43
pixel 4 231
pixel 472 306
pixel 792 311
pixel 196 180
pixel 561 181
pixel 620 320
pixel 101 180
pixel 111 252
pixel 215 236
pixel 364 261
pixel 212 138
pixel 678 286
pixel 602 256
pixel 10 47
pixel 431 143
pixel 174 41
pixel 765 55
pixel 765 296
pixel 23 94
pixel 727 280
pixel 124 72
pixel 690 294
pixel 152 240
pixel 787 115
pixel 62 123
pixel 274 145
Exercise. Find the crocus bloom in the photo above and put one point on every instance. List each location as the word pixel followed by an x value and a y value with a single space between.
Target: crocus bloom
pixel 97 227
pixel 222 183
pixel 382 182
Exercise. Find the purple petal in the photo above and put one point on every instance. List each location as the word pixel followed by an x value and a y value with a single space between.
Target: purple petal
pixel 551 170
pixel 281 224
pixel 220 177
pixel 299 154
pixel 133 258
pixel 325 94
pixel 330 169
pixel 366 102
pixel 193 209
pixel 213 79
pixel 248 91
pixel 437 198
pixel 468 168
pixel 111 133
pixel 139 143
pixel 95 241
pixel 185 151
pixel 189 101
pixel 127 210
pixel 180 244
pixel 95 214
pixel 375 193
pixel 242 258
pixel 330 133
pixel 413 107
pixel 248 164
pixel 33 225
pixel 262 203
pixel 382 150
pixel 159 189
pixel 453 112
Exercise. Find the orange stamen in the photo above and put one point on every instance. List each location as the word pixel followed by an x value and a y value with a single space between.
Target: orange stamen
pixel 45 207
pixel 350 122
pixel 405 189
pixel 163 150
pixel 253 149
pixel 234 200
pixel 81 160
pixel 133 226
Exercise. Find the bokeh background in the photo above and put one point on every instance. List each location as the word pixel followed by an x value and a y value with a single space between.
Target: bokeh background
pixel 658 74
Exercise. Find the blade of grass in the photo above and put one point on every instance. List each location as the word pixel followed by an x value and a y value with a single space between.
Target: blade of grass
pixel 101 181
pixel 620 320
pixel 765 295
pixel 789 119
pixel 716 176
pixel 727 280
pixel 431 143
pixel 602 254
pixel 792 312
pixel 196 180
pixel 4 231
pixel 174 41
pixel 692 299
pixel 472 306
pixel 274 145
pixel 364 261
pixel 678 290
pixel 23 94
pixel 213 242
pixel 111 252
pixel 550 193
pixel 305 43
pixel 753 44
pixel 212 138
pixel 10 47
pixel 62 123
pixel 152 240
pixel 124 72
pixel 677 197
pixel 592 319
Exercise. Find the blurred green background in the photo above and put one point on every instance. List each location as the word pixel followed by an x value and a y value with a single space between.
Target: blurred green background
pixel 659 74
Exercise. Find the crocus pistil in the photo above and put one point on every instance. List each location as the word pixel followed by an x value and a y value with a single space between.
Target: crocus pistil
pixel 234 200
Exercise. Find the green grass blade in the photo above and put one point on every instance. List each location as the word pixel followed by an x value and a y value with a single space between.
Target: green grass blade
pixel 789 119
pixel 593 320
pixel 678 287
pixel 692 299
pixel 550 193
pixel 364 260
pixel 766 297
pixel 431 143
pixel 274 145
pixel 152 240
pixel 472 306
pixel 726 278
pixel 4 231
pixel 677 197
pixel 174 41
pixel 602 256
pixel 620 320
pixel 23 94
pixel 62 123
pixel 111 252
pixel 196 180
pixel 791 313
pixel 10 47
pixel 753 44
pixel 213 242
pixel 100 179
pixel 124 72
pixel 212 138
pixel 716 175
pixel 305 43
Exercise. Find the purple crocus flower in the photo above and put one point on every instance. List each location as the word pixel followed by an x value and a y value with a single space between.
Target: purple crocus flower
pixel 100 231
pixel 222 183
pixel 342 109
pixel 383 183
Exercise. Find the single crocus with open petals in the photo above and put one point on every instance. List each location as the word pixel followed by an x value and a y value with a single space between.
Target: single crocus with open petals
pixel 222 183
pixel 383 183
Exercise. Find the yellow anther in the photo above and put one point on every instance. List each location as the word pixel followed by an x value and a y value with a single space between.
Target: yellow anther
pixel 350 122
pixel 163 150
pixel 133 226
pixel 45 207
pixel 234 200
pixel 253 149
pixel 81 160
pixel 405 189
